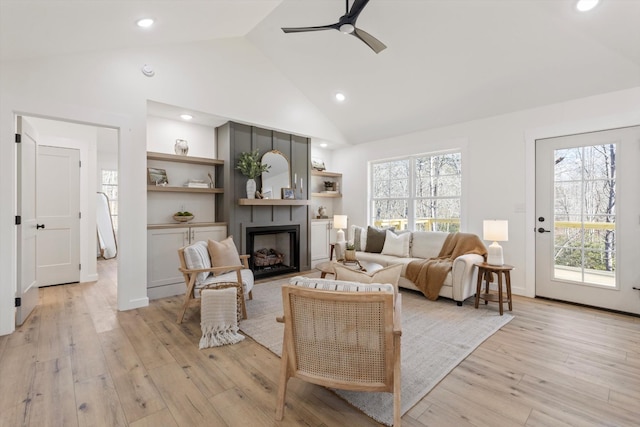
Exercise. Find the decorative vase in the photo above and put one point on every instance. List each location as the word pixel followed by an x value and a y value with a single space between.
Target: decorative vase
pixel 251 188
pixel 181 147
pixel 350 255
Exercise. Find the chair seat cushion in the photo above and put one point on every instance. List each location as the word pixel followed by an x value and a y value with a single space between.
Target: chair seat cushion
pixel 247 280
pixel 196 257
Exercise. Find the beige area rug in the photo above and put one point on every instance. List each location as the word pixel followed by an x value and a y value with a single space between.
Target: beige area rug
pixel 436 337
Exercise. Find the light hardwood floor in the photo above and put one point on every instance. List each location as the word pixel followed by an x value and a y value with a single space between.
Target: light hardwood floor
pixel 79 362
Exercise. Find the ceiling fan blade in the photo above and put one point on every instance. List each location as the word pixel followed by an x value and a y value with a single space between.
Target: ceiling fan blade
pixel 356 8
pixel 305 29
pixel 370 41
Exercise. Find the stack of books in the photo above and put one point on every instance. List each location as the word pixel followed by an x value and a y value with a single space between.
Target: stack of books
pixel 196 183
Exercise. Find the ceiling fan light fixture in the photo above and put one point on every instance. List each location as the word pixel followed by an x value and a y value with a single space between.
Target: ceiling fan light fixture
pixel 347 28
pixel 144 22
pixel 586 5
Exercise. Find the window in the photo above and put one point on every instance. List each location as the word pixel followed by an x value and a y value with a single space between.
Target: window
pixel 110 188
pixel 420 193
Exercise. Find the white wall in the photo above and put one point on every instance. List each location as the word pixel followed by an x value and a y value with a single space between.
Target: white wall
pixel 227 78
pixel 498 165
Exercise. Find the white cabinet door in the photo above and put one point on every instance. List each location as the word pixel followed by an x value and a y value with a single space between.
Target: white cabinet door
pixel 320 234
pixel 217 233
pixel 162 255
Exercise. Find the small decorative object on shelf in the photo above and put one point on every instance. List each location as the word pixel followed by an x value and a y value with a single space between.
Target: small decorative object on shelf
pixel 249 165
pixel 317 164
pixel 183 216
pixel 157 176
pixel 288 193
pixel 322 212
pixel 181 147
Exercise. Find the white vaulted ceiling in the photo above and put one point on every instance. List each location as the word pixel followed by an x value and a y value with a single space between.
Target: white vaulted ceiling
pixel 447 61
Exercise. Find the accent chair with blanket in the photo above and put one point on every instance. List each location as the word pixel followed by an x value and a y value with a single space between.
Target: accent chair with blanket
pixel 435 263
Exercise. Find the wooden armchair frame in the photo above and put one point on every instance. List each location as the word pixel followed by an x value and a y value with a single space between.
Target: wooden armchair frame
pixel 323 335
pixel 190 282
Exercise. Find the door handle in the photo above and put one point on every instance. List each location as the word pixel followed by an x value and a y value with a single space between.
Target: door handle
pixel 39 226
pixel 542 230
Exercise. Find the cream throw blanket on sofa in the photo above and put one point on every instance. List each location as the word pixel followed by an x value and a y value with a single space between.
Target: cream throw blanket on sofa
pixel 429 274
pixel 219 317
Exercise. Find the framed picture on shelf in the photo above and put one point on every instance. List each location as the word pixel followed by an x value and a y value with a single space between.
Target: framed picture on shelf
pixel 287 193
pixel 267 193
pixel 317 164
pixel 157 176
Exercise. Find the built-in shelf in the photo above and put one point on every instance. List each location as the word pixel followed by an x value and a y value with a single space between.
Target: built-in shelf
pixel 184 224
pixel 185 189
pixel 326 194
pixel 325 173
pixel 272 202
pixel 183 159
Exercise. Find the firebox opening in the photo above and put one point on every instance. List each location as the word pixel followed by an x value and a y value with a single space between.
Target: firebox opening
pixel 274 250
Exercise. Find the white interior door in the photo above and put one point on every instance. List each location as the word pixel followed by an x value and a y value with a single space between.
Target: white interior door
pixel 58 213
pixel 588 219
pixel 27 289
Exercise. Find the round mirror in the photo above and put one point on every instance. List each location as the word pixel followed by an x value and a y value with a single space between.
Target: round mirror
pixel 278 175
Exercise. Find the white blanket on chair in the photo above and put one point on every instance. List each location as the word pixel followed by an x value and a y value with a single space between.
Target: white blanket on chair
pixel 219 319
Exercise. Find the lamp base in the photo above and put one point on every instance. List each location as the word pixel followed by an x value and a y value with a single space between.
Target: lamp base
pixel 494 254
pixel 340 236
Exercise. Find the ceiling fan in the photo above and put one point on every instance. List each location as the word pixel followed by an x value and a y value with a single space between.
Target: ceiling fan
pixel 347 25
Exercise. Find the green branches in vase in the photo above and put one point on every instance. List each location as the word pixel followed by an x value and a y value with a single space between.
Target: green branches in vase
pixel 249 164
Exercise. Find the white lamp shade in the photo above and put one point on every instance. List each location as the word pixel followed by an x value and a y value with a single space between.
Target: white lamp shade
pixel 339 221
pixel 496 230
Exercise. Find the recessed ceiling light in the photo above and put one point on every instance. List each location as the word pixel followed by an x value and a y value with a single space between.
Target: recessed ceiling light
pixel 340 97
pixel 144 22
pixel 323 145
pixel 586 5
pixel 186 116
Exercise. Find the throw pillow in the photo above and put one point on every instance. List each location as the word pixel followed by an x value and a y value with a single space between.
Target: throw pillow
pixel 359 237
pixel 339 285
pixel 376 238
pixel 224 254
pixel 396 245
pixel 389 274
pixel 196 257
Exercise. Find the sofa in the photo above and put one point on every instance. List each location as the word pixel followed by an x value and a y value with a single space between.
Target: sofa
pixel 387 247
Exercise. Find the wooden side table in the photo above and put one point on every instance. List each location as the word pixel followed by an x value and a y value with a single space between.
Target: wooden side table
pixel 486 271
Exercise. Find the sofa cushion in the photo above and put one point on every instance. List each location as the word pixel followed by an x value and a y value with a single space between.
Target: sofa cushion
pixel 427 244
pixel 389 274
pixel 396 244
pixel 376 238
pixel 196 257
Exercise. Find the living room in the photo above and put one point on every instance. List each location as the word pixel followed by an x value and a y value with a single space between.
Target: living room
pixel 234 77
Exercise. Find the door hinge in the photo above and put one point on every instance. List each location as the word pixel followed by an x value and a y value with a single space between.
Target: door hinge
pixel 18 138
pixel 18 302
pixel 79 266
pixel 79 215
pixel 80 163
pixel 18 220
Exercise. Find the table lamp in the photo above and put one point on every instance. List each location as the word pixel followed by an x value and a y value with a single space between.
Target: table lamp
pixel 340 222
pixel 498 231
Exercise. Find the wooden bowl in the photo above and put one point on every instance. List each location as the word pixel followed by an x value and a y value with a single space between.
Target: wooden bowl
pixel 182 218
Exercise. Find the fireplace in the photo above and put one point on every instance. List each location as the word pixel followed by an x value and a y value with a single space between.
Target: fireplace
pixel 274 249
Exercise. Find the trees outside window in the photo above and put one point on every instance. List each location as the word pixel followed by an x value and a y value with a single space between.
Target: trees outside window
pixel 585 210
pixel 420 193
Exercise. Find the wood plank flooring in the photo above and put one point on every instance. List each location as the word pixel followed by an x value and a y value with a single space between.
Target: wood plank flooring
pixel 77 361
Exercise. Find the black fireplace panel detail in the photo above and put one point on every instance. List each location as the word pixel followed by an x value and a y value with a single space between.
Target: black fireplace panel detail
pixel 279 255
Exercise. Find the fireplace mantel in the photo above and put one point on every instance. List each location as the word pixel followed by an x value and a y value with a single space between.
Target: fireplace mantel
pixel 273 202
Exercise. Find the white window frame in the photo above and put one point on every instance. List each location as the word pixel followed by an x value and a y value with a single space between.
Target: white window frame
pixel 411 199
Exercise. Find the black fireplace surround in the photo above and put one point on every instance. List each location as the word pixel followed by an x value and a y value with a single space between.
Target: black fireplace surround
pixel 289 246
